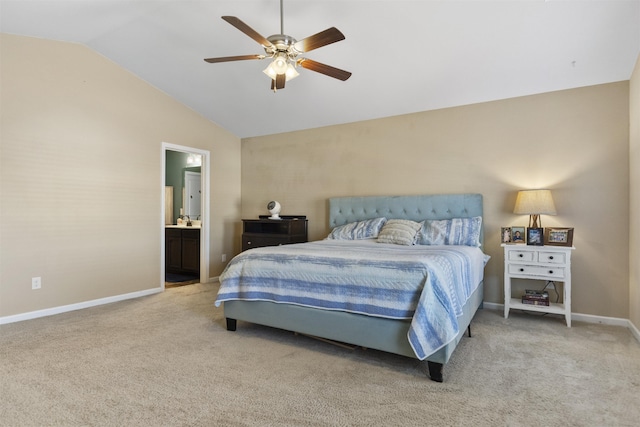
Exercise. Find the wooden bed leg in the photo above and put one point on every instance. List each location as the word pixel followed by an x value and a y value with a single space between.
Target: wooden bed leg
pixel 435 371
pixel 231 324
pixel 469 330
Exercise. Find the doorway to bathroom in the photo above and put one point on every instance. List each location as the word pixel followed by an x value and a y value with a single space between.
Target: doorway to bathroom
pixel 185 215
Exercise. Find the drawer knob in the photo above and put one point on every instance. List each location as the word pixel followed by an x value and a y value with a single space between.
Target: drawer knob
pixel 248 243
pixel 550 256
pixel 522 269
pixel 550 271
pixel 520 255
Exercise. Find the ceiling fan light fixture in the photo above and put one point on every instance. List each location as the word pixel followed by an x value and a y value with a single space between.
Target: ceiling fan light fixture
pixel 289 71
pixel 279 64
pixel 269 71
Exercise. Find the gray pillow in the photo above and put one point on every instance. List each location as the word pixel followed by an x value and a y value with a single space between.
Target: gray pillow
pixel 399 232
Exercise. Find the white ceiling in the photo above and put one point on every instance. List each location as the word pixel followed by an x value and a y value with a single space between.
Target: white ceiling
pixel 405 56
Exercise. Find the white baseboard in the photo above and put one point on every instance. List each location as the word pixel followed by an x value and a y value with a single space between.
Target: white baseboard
pixel 588 318
pixel 492 305
pixel 79 306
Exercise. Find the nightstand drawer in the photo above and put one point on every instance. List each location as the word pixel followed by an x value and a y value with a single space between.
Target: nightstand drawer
pixel 552 257
pixel 522 256
pixel 537 270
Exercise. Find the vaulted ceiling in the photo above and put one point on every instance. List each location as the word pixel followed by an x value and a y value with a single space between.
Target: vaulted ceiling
pixel 405 56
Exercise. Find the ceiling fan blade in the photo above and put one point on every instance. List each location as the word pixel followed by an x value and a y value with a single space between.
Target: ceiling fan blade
pixel 247 30
pixel 315 41
pixel 278 82
pixel 328 70
pixel 233 58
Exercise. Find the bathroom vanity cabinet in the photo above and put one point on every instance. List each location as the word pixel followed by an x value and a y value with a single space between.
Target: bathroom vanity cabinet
pixel 182 250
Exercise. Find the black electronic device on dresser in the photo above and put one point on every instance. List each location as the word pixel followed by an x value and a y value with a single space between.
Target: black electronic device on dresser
pixel 261 232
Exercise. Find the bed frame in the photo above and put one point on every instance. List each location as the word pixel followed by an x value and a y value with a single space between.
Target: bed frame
pixel 388 335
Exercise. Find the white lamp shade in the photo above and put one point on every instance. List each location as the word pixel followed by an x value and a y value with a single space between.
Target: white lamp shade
pixel 534 202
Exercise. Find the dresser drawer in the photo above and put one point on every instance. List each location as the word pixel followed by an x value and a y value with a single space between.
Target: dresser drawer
pixel 552 257
pixel 258 233
pixel 257 241
pixel 525 256
pixel 550 272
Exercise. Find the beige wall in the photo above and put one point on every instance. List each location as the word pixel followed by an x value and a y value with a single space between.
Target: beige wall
pixel 80 175
pixel 634 213
pixel 81 180
pixel 575 142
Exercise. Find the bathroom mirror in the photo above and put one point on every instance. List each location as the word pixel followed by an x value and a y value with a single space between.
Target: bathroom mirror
pixel 183 174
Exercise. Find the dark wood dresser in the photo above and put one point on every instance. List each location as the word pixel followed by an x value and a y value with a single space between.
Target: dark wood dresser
pixel 261 232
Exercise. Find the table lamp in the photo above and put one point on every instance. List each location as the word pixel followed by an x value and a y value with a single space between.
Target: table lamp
pixel 534 203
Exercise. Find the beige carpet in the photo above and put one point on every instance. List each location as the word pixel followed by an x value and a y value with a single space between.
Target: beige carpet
pixel 167 360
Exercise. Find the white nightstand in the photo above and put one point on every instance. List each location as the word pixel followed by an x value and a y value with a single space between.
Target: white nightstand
pixel 548 263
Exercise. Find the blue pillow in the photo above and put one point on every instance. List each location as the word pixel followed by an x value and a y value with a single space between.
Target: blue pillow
pixel 367 229
pixel 455 231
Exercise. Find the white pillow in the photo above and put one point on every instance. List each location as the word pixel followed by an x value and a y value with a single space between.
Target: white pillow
pixel 455 231
pixel 366 229
pixel 399 232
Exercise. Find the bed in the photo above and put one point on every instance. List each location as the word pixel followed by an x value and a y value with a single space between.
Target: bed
pixel 437 315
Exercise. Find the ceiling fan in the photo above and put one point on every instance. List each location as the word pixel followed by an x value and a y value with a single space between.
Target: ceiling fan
pixel 284 51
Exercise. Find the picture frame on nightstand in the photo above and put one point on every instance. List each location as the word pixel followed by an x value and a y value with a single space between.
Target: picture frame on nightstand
pixel 518 235
pixel 505 234
pixel 535 236
pixel 554 236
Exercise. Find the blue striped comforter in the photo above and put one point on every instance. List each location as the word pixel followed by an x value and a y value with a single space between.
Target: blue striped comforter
pixel 427 284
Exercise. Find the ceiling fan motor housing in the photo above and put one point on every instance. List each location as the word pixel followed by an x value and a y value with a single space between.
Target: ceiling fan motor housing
pixel 281 43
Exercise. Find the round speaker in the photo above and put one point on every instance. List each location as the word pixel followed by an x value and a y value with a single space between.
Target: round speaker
pixel 274 209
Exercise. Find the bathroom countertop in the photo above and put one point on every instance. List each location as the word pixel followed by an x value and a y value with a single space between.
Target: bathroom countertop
pixel 198 227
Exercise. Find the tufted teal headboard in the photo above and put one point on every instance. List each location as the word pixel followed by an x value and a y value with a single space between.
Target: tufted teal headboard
pixel 343 210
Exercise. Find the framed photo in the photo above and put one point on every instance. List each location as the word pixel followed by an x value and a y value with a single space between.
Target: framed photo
pixel 517 235
pixel 535 236
pixel 558 236
pixel 505 235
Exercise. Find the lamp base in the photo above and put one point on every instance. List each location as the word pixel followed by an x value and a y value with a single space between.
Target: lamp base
pixel 535 221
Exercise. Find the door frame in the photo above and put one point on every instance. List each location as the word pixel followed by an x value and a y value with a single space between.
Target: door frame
pixel 205 179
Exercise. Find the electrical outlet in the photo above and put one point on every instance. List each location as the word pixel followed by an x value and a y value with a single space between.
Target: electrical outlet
pixel 36 282
pixel 224 257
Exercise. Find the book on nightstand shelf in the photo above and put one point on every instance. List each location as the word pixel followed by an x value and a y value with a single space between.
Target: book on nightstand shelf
pixel 533 297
